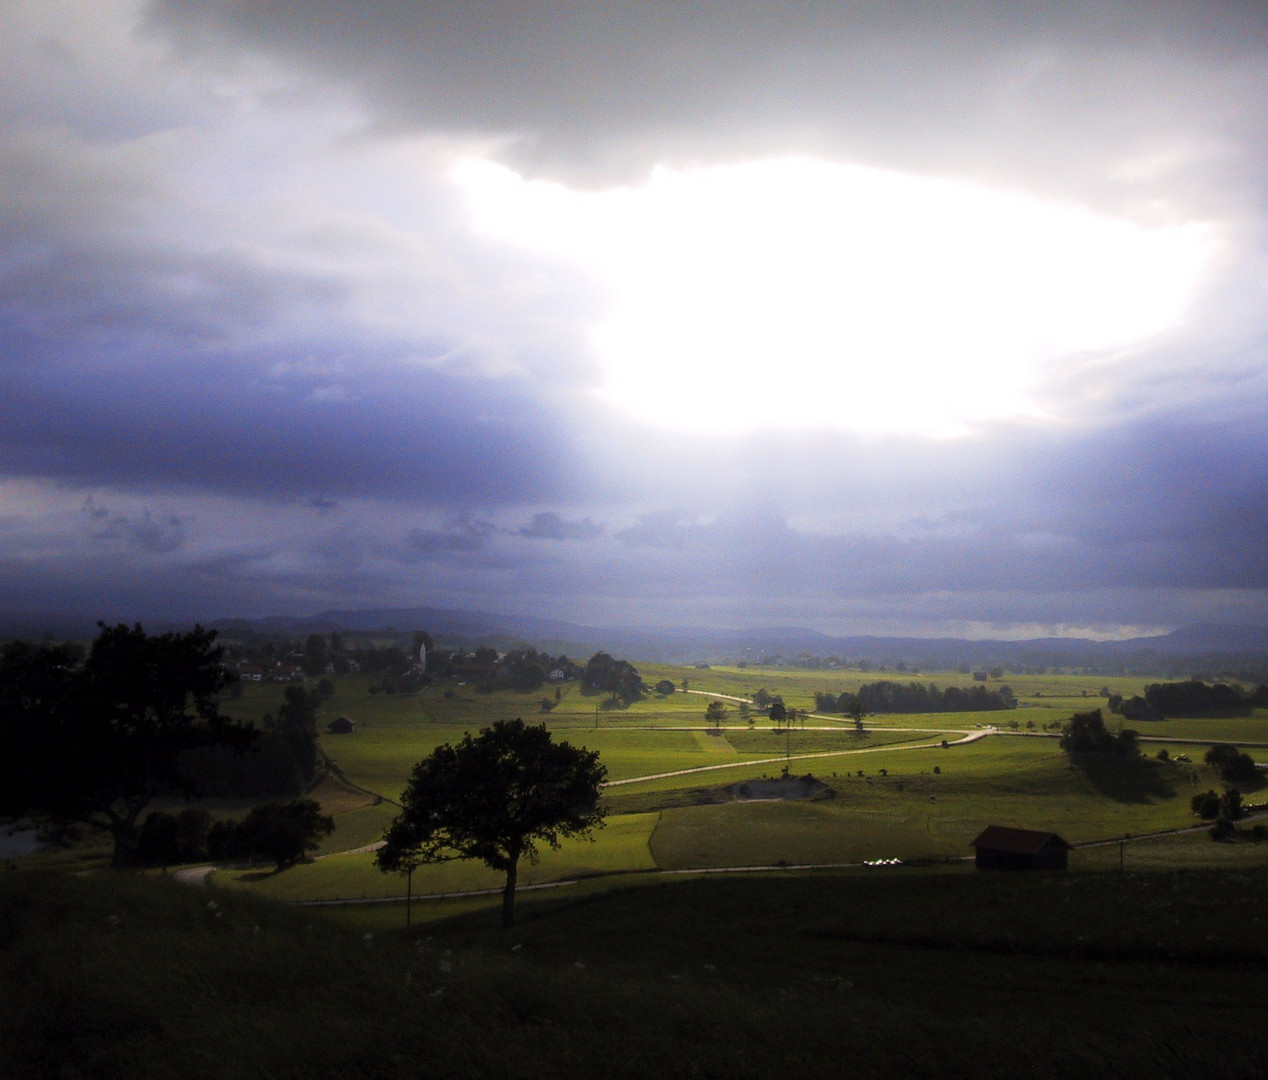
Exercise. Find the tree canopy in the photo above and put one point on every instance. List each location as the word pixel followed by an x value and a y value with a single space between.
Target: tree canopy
pixel 616 677
pixel 1232 764
pixel 495 797
pixel 284 831
pixel 1086 733
pixel 97 743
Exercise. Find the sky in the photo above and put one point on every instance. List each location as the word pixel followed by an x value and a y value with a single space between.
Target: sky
pixel 946 319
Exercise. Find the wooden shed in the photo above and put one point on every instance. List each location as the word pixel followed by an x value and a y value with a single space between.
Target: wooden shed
pixel 344 725
pixel 1001 848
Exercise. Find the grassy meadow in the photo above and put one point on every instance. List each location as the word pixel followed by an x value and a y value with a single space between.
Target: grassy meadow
pixel 655 949
pixel 891 973
pixel 896 792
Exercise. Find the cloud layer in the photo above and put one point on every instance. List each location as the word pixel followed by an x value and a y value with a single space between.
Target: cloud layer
pixel 258 354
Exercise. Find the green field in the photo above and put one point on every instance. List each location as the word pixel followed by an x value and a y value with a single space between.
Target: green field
pixel 889 973
pixel 894 793
pixel 698 933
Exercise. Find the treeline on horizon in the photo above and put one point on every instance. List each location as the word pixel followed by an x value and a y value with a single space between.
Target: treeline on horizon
pixel 1189 698
pixel 916 697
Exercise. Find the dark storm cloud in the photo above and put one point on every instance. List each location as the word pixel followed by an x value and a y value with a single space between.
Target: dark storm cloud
pixel 253 357
pixel 1021 89
pixel 238 425
pixel 157 535
pixel 462 536
pixel 550 525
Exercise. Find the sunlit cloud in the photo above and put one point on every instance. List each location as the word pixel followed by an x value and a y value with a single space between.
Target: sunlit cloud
pixel 335 305
pixel 795 293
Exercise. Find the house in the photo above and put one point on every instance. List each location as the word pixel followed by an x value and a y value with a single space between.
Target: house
pixel 343 725
pixel 1001 848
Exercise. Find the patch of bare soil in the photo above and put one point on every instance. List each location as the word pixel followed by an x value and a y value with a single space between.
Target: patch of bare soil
pixel 784 787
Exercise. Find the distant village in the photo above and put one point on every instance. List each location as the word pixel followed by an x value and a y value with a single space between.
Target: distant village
pixel 401 668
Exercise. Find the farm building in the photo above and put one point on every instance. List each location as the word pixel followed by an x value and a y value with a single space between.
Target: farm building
pixel 1001 848
pixel 341 726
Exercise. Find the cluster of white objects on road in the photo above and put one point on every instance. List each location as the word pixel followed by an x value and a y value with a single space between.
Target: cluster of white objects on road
pixel 882 862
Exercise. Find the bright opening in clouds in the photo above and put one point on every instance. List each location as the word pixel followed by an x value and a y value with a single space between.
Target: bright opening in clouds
pixel 623 313
pixel 795 293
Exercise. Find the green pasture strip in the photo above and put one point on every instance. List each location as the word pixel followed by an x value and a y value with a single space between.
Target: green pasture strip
pixel 1025 783
pixel 959 723
pixel 768 742
pixel 353 877
pixel 381 758
pixel 1192 850
pixel 767 833
pixel 887 974
pixel 1019 782
pixel 621 846
pixel 358 827
pixel 695 773
pixel 638 752
pixel 1209 730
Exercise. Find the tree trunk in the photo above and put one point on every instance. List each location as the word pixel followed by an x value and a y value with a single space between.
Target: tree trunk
pixel 508 895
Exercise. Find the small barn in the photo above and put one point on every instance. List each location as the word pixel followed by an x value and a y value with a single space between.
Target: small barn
pixel 343 725
pixel 1001 848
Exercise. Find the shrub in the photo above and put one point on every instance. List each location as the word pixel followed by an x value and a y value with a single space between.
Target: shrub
pixel 1086 733
pixel 1206 805
pixel 1231 763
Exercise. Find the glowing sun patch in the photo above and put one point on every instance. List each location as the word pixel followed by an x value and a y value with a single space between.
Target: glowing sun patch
pixel 796 293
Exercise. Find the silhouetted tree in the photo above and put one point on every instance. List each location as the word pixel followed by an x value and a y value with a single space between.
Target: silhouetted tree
pixel 1231 764
pixel 494 797
pixel 102 741
pixel 284 831
pixel 1206 805
pixel 1086 733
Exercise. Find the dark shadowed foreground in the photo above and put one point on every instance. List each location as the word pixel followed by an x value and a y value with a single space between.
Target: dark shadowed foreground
pixel 895 974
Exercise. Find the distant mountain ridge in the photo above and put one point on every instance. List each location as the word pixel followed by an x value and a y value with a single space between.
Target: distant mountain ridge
pixel 710 644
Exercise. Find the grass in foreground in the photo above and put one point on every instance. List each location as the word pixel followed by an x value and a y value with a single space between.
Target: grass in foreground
pixel 885 975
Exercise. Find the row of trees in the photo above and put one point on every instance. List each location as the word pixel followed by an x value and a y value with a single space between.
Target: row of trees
pixel 1233 765
pixel 97 739
pixel 282 832
pixel 1210 805
pixel 1086 733
pixel 1189 698
pixel 97 742
pixel 618 678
